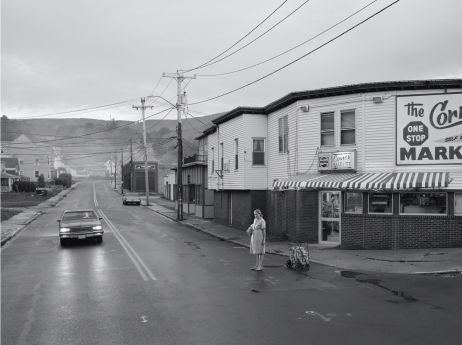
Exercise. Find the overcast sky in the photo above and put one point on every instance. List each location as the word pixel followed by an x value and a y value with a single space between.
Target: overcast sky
pixel 60 55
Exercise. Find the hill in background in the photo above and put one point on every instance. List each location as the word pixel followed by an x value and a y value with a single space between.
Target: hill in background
pixel 87 143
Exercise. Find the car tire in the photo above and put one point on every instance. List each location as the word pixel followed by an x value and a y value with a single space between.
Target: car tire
pixel 99 239
pixel 62 241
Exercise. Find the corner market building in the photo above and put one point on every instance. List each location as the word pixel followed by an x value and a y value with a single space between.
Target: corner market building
pixel 375 165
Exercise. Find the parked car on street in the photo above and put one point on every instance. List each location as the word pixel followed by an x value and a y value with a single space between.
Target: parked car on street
pixel 80 224
pixel 131 198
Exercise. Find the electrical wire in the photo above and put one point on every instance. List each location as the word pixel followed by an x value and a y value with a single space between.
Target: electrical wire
pixel 102 131
pixel 258 37
pixel 299 58
pixel 240 40
pixel 291 49
pixel 78 110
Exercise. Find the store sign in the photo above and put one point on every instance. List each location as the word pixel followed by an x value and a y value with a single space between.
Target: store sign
pixel 330 161
pixel 429 129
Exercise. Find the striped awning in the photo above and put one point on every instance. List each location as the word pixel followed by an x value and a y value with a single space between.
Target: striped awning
pixel 397 181
pixel 312 181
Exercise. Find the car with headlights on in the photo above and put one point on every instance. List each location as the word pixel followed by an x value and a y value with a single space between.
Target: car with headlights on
pixel 80 224
pixel 131 198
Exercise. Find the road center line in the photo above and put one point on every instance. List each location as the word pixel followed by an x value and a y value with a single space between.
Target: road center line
pixel 137 261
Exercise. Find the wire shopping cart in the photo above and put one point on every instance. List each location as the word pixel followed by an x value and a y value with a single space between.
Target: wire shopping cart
pixel 299 257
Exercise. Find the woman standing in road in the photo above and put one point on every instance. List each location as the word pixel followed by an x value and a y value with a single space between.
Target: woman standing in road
pixel 257 240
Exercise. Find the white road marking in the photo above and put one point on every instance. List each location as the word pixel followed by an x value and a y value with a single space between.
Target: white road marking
pixel 144 270
pixel 315 313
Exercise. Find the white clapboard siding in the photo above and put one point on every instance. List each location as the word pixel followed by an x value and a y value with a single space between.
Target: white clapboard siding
pixel 282 164
pixel 244 128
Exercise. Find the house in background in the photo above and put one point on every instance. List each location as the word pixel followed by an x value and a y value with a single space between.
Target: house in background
pixel 34 158
pixel 170 192
pixel 197 198
pixel 9 172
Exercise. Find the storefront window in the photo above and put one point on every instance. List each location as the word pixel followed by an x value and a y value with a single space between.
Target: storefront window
pixel 353 202
pixel 381 203
pixel 458 204
pixel 429 203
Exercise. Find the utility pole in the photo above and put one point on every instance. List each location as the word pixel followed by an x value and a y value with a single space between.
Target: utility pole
pixel 181 100
pixel 115 171
pixel 131 166
pixel 146 171
pixel 122 171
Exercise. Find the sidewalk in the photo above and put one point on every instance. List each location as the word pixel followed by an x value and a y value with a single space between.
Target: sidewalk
pixel 11 227
pixel 407 261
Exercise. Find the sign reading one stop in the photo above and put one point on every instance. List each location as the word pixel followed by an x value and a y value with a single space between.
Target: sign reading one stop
pixel 415 133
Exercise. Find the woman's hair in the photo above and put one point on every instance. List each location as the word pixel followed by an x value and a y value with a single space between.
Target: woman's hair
pixel 257 211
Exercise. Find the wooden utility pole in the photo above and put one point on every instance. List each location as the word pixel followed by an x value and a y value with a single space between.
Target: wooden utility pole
pixel 180 105
pixel 146 170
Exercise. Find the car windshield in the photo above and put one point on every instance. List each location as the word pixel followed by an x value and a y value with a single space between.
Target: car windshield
pixel 131 194
pixel 78 215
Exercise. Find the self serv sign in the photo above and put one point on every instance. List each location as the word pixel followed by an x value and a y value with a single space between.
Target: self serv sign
pixel 429 129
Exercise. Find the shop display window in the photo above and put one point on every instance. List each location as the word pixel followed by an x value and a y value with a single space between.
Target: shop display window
pixel 353 202
pixel 458 204
pixel 381 203
pixel 423 203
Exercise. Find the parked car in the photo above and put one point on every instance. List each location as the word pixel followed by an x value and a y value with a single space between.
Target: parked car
pixel 131 198
pixel 80 224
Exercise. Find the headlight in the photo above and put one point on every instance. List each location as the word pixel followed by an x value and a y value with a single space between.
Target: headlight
pixel 98 227
pixel 64 230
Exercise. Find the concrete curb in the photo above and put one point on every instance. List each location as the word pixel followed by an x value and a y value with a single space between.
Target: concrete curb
pixel 52 202
pixel 452 271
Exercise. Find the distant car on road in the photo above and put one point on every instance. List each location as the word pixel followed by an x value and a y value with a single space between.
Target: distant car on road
pixel 80 224
pixel 131 198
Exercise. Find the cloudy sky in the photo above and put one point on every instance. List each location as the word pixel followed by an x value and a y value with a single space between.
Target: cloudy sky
pixel 101 56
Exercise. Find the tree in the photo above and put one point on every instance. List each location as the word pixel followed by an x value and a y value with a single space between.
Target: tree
pixel 41 181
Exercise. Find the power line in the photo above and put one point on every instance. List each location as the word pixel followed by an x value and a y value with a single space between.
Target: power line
pixel 240 40
pixel 291 49
pixel 77 110
pixel 102 131
pixel 298 59
pixel 258 37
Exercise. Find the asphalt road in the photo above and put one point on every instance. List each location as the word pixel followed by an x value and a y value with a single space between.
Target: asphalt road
pixel 154 281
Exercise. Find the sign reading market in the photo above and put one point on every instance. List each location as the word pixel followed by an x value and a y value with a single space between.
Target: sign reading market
pixel 429 129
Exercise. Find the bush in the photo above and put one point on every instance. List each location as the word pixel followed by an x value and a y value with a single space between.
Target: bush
pixel 41 181
pixel 24 186
pixel 64 180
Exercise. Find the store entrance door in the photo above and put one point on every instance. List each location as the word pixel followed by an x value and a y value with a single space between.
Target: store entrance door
pixel 329 220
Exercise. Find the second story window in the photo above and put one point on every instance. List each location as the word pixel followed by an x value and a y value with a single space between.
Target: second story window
pixel 283 135
pixel 222 154
pixel 236 154
pixel 258 154
pixel 327 129
pixel 348 127
pixel 213 160
pixel 37 161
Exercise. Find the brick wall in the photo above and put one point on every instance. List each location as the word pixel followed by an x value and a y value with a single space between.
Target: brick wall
pixel 400 232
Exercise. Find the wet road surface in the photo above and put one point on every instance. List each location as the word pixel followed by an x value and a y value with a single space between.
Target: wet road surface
pixel 154 281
